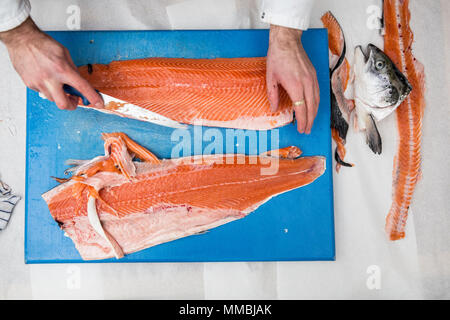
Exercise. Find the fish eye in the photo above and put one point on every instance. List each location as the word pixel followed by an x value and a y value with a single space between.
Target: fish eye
pixel 379 64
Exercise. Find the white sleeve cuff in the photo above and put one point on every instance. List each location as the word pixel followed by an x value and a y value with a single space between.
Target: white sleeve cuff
pixel 12 16
pixel 294 14
pixel 285 21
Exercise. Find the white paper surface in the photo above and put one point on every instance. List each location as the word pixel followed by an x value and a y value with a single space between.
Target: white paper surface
pixel 366 266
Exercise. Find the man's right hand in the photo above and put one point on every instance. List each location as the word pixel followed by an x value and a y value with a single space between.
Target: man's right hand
pixel 45 66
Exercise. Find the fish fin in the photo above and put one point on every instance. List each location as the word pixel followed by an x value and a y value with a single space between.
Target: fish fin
pixel 60 180
pixel 340 161
pixel 139 151
pixel 117 151
pixel 373 138
pixel 291 152
pixel 338 122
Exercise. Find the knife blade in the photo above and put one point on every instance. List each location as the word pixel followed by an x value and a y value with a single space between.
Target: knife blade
pixel 125 109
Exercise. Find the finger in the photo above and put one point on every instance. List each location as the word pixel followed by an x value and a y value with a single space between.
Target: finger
pixel 317 96
pixel 76 81
pixel 316 99
pixel 273 93
pixel 295 92
pixel 34 88
pixel 310 102
pixel 317 92
pixel 69 58
pixel 74 100
pixel 43 92
pixel 301 116
pixel 60 98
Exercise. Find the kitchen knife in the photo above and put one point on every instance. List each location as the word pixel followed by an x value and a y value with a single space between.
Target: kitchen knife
pixel 125 109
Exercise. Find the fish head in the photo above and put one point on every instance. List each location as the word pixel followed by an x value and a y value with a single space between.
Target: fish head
pixel 379 85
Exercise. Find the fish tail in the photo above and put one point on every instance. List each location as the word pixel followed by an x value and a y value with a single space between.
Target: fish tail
pixel 340 161
pixel 340 151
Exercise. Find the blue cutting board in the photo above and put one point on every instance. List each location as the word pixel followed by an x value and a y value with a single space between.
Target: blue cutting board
pixel 298 225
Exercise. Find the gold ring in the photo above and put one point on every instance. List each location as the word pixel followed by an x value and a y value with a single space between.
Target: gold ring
pixel 299 103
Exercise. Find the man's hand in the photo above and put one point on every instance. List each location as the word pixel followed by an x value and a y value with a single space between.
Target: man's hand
pixel 289 66
pixel 45 65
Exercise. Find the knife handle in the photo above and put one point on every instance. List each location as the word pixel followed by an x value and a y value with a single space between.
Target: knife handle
pixel 74 92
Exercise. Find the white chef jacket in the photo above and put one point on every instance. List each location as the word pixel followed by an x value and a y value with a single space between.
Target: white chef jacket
pixel 13 13
pixel 287 13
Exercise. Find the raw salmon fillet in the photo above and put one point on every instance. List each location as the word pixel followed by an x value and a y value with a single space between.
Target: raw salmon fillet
pixel 229 93
pixel 398 46
pixel 114 206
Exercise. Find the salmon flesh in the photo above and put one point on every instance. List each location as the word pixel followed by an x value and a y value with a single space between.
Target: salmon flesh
pixel 223 92
pixel 113 206
pixel 398 42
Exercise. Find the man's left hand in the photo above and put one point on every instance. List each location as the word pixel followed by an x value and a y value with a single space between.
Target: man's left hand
pixel 288 65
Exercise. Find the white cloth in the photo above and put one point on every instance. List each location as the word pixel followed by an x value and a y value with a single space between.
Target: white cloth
pixel 413 268
pixel 13 13
pixel 7 203
pixel 287 13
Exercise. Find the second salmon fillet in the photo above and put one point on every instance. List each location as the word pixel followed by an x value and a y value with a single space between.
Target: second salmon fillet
pixel 223 92
pixel 114 206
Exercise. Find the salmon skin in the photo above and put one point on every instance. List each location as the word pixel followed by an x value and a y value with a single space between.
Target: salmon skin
pixel 341 107
pixel 398 45
pixel 223 92
pixel 113 206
